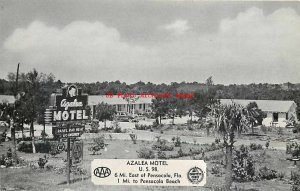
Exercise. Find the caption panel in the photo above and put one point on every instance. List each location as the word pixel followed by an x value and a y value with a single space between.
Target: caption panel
pixel 148 172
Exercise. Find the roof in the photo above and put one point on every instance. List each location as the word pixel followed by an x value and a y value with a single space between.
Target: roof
pixel 115 99
pixel 7 98
pixel 264 105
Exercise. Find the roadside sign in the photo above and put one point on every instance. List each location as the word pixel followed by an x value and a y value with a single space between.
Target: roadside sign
pixel 65 112
pixel 60 147
pixel 69 130
pixel 77 152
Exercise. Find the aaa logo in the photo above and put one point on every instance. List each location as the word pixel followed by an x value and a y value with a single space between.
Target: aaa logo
pixel 102 172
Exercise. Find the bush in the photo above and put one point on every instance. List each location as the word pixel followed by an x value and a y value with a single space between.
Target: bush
pixel 161 155
pixel 243 165
pixel 177 142
pixel 254 146
pixel 217 141
pixel 142 127
pixel 117 130
pixel 267 174
pixel 216 170
pixel 40 146
pixel 42 161
pixel 145 153
pixel 2 159
pixel 97 145
pixel 267 144
pixel 295 178
pixel 133 138
pixel 264 129
pixel 293 149
pixel 161 144
pixel 180 153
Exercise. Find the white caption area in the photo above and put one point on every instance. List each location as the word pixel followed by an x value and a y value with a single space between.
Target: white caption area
pixel 148 172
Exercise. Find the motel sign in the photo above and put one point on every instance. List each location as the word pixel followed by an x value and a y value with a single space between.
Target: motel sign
pixel 71 105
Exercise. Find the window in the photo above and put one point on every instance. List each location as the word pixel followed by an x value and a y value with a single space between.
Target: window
pixel 140 105
pixel 275 117
pixel 119 107
pixel 287 116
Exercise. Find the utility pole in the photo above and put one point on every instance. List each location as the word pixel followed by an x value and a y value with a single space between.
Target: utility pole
pixel 13 122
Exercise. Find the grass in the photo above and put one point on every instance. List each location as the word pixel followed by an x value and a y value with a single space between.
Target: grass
pixel 41 179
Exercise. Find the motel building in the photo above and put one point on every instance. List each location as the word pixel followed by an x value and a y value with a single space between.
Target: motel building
pixel 132 105
pixel 278 112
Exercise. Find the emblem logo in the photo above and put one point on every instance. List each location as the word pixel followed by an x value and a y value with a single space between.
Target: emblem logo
pixel 195 175
pixel 102 172
pixel 72 91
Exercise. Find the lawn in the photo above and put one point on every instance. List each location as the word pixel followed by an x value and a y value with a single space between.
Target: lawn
pixel 33 178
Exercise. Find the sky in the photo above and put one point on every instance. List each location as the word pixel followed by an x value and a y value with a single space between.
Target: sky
pixel 158 41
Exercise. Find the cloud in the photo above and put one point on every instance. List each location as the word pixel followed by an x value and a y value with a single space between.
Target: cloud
pixel 178 27
pixel 251 47
pixel 88 48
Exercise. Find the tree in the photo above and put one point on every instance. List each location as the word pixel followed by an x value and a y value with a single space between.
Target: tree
pixel 7 114
pixel 254 114
pixel 229 118
pixel 104 112
pixel 160 107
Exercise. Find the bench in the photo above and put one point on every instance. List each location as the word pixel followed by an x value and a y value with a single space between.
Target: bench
pixel 294 160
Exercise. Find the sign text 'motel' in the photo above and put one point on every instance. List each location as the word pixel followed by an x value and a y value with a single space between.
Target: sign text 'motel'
pixel 71 105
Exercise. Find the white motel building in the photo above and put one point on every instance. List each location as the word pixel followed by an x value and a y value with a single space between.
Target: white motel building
pixel 124 106
pixel 278 111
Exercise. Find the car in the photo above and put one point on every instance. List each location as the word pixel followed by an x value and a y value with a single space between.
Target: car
pixel 125 118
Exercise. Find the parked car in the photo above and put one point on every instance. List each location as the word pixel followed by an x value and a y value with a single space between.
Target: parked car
pixel 125 118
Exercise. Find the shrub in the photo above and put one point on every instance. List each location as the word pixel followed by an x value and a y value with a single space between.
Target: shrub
pixel 133 138
pixel 155 124
pixel 8 161
pixel 2 159
pixel 243 165
pixel 267 174
pixel 264 129
pixel 180 153
pixel 177 142
pixel 161 144
pixel 145 153
pixel 217 141
pixel 279 131
pixel 254 146
pixel 40 146
pixel 281 175
pixel 173 139
pixel 216 170
pixel 267 144
pixel 142 127
pixel 97 145
pixel 117 130
pixel 161 155
pixel 42 161
pixel 293 149
pixel 295 178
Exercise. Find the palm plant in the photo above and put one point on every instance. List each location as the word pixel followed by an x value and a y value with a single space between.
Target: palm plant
pixel 228 120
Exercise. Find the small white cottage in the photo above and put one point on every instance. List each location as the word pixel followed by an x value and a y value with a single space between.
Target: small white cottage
pixel 278 111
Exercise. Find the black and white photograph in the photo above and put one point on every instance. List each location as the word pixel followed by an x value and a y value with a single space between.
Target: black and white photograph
pixel 146 95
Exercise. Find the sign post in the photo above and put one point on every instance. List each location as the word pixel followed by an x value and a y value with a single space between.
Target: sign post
pixel 68 160
pixel 68 111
